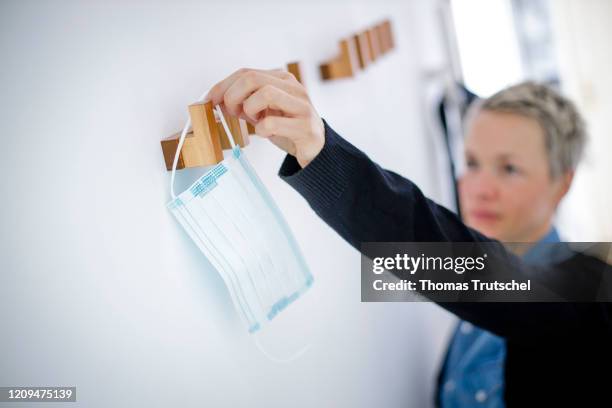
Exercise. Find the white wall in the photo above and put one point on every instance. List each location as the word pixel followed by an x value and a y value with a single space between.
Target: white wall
pixel 99 286
pixel 582 33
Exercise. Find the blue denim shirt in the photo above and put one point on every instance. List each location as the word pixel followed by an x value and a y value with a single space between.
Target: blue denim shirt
pixel 473 373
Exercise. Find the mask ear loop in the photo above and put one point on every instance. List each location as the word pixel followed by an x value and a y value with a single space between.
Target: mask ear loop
pixel 179 147
pixel 289 359
pixel 219 114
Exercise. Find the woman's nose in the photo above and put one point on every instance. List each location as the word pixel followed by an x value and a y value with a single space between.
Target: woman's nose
pixel 485 186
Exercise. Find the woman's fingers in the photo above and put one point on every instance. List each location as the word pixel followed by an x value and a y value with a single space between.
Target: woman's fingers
pixel 282 74
pixel 239 85
pixel 279 107
pixel 218 90
pixel 289 128
pixel 249 83
pixel 276 99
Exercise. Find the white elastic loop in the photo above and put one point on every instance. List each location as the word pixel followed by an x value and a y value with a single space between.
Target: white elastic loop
pixel 224 123
pixel 294 357
pixel 176 156
pixel 219 113
pixel 179 147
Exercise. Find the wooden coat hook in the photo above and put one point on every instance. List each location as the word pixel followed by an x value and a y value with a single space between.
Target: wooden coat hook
pixel 205 142
pixel 343 66
pixel 373 43
pixel 385 36
pixel 362 44
pixel 202 146
pixel 380 39
pixel 294 68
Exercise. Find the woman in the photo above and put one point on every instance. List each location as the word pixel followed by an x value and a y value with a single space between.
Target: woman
pixel 522 147
pixel 554 352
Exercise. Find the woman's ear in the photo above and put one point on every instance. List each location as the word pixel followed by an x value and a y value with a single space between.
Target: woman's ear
pixel 564 183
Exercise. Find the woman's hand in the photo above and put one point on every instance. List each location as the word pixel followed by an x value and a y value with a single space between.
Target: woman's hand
pixel 277 105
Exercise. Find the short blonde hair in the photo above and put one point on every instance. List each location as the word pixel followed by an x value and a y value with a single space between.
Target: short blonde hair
pixel 564 128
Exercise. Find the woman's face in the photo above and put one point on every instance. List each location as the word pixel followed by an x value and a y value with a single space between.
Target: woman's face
pixel 506 191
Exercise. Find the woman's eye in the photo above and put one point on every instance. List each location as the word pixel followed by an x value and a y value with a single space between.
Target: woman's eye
pixel 471 164
pixel 510 169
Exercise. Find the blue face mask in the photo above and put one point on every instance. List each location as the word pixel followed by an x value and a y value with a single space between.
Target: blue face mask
pixel 232 218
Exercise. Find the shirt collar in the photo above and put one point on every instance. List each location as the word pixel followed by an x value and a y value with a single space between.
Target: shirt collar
pixel 543 251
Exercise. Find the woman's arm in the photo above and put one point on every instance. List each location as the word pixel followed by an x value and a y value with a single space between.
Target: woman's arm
pixel 365 203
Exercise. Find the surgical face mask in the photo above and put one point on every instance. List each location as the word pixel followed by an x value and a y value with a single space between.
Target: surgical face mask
pixel 234 221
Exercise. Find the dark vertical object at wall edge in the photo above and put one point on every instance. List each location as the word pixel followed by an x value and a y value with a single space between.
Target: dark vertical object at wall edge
pixel 468 97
